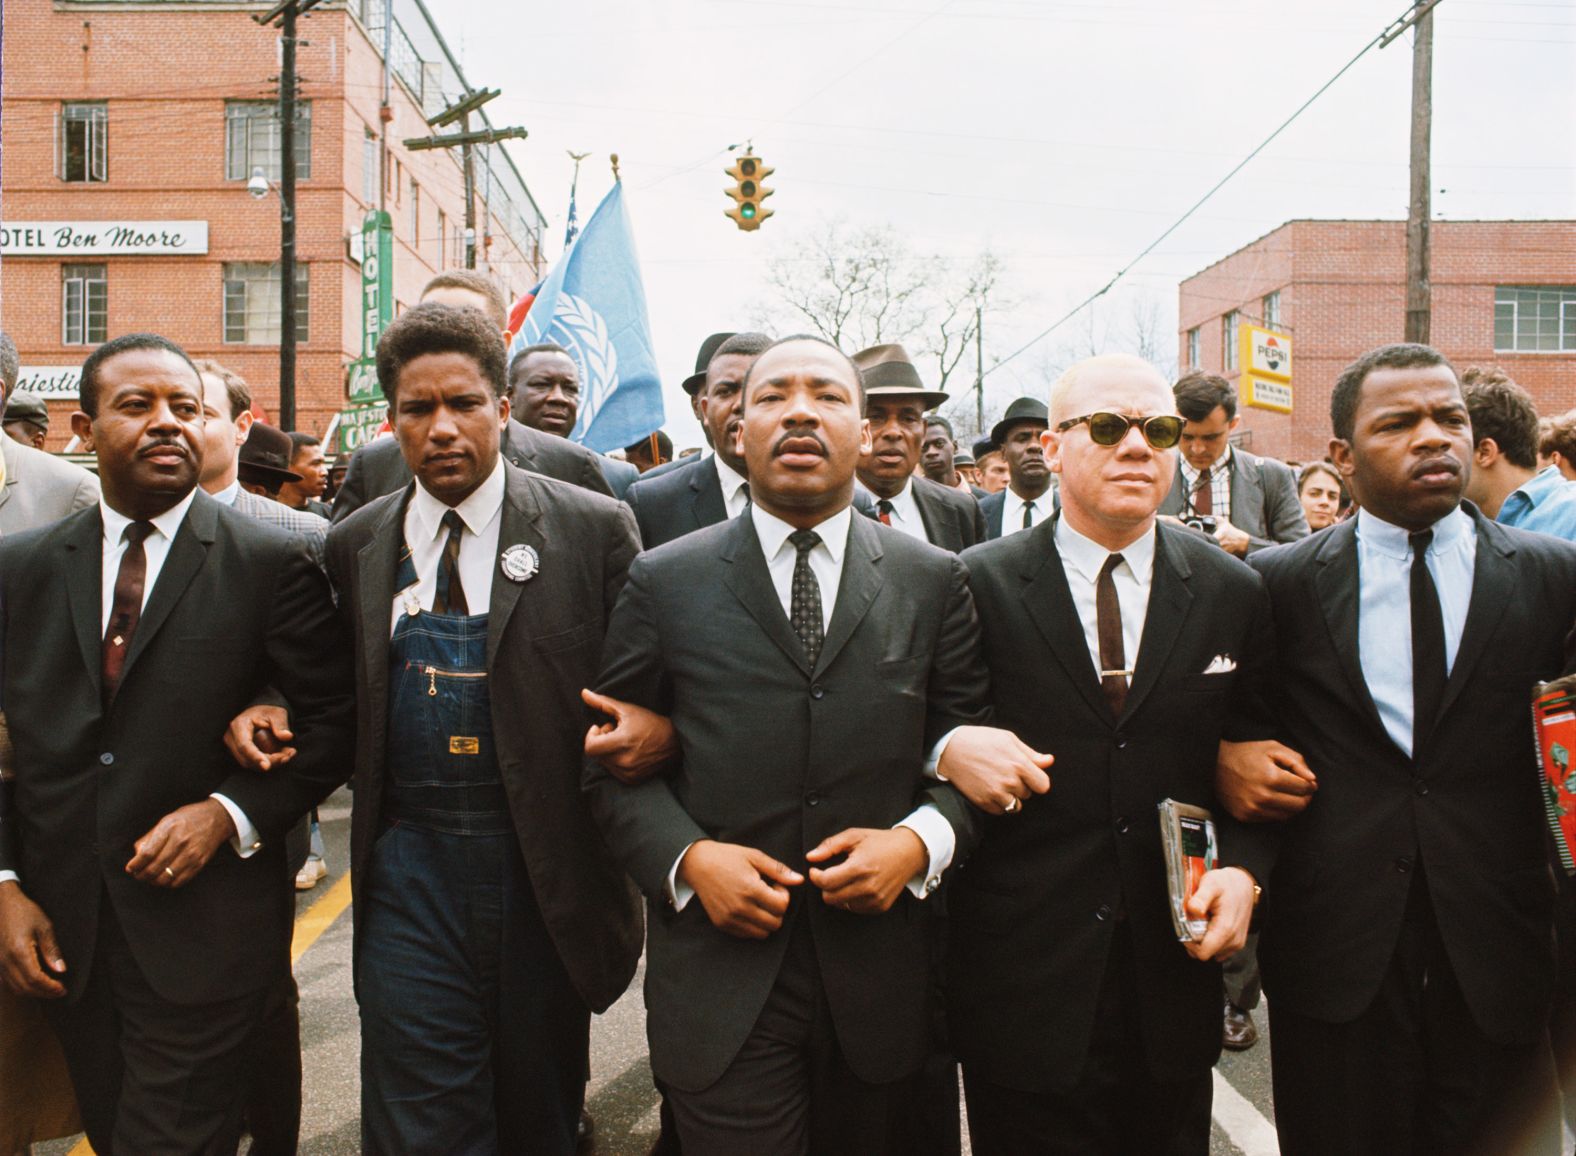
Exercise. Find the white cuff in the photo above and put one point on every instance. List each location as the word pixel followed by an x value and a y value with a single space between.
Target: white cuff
pixel 246 842
pixel 10 877
pixel 933 763
pixel 680 892
pixel 940 842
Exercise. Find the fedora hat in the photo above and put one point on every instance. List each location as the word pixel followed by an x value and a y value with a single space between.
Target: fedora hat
pixel 983 449
pixel 24 406
pixel 887 371
pixel 264 459
pixel 1025 409
pixel 708 350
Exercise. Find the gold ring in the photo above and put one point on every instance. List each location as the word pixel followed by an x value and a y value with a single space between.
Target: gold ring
pixel 1014 805
pixel 170 873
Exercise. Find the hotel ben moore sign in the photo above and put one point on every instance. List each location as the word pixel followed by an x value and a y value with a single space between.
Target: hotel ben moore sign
pixel 103 238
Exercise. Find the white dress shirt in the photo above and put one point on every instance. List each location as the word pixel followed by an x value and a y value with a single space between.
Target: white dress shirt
pixel 1384 607
pixel 905 513
pixel 1012 510
pixel 1082 560
pixel 734 495
pixel 426 535
pixel 226 496
pixel 826 562
pixel 1219 486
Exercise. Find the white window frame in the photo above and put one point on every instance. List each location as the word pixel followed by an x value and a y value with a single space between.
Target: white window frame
pixel 258 120
pixel 251 303
pixel 84 289
pixel 94 115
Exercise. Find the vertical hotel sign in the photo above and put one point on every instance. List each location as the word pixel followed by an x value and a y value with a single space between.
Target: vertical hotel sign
pixel 360 421
pixel 1265 358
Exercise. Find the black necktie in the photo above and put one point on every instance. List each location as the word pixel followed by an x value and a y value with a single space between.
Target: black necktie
pixel 1108 625
pixel 804 603
pixel 450 597
pixel 884 512
pixel 127 607
pixel 1028 515
pixel 744 488
pixel 1428 644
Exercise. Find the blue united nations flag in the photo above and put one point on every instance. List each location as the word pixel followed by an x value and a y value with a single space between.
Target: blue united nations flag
pixel 593 304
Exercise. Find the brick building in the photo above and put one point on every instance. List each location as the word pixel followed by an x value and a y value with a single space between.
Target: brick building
pixel 1504 292
pixel 130 129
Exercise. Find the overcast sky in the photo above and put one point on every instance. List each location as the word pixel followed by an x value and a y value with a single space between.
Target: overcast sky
pixel 1065 136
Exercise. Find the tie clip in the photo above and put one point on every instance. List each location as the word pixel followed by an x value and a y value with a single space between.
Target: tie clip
pixel 1116 674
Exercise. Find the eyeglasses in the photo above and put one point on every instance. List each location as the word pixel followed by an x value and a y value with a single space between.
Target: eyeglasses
pixel 1162 431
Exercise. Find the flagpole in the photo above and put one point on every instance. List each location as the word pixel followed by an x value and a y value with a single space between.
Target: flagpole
pixel 570 228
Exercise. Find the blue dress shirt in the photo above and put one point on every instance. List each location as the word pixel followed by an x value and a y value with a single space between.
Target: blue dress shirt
pixel 1547 504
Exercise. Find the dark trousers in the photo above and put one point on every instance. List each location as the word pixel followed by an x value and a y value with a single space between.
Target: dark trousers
pixel 273 1102
pixel 1413 1073
pixel 1117 1108
pixel 789 1091
pixel 473 1039
pixel 1563 1027
pixel 1241 974
pixel 152 1076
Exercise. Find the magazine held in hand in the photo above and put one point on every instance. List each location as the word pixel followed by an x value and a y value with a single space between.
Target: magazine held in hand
pixel 1187 836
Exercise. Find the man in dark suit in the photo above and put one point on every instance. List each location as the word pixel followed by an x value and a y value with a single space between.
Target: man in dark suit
pixel 544 390
pixel 1407 946
pixel 1028 498
pixel 476 589
pixel 895 405
pixel 155 942
pixel 1252 499
pixel 786 978
pixel 713 488
pixel 1082 1024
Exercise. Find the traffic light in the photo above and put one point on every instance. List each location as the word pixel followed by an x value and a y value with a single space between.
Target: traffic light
pixel 748 192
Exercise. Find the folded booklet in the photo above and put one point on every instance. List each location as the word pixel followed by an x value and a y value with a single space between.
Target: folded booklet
pixel 1554 731
pixel 1187 837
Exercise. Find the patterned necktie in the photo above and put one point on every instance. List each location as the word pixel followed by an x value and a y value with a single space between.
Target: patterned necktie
pixel 804 603
pixel 1108 624
pixel 1428 644
pixel 127 608
pixel 1028 515
pixel 450 598
pixel 1204 494
pixel 884 512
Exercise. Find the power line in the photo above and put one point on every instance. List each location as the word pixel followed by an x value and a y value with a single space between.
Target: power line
pixel 1390 32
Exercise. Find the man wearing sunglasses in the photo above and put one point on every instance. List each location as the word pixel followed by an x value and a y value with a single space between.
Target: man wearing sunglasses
pixel 1082 1024
pixel 1253 500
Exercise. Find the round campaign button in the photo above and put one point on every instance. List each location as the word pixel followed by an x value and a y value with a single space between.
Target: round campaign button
pixel 519 563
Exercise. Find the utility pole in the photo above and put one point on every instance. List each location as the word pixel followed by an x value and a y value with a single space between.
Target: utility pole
pixel 465 140
pixel 979 368
pixel 469 165
pixel 1419 290
pixel 286 14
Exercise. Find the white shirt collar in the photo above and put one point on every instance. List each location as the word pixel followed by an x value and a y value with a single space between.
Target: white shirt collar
pixel 773 532
pixel 730 478
pixel 226 496
pixel 166 524
pixel 1393 542
pixel 1223 462
pixel 477 511
pixel 1087 556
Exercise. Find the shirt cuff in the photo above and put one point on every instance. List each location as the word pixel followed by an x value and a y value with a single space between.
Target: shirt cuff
pixel 246 841
pixel 10 877
pixel 940 842
pixel 680 892
pixel 933 763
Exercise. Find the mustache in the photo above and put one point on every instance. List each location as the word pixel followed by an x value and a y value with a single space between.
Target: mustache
pixel 797 435
pixel 1434 465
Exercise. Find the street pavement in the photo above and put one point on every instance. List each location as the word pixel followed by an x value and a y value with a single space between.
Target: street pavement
pixel 621 1099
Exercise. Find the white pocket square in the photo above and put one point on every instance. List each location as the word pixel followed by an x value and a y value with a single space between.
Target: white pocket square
pixel 1221 664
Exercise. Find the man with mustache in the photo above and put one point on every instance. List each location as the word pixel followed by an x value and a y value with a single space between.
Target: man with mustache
pixel 133 631
pixel 1027 499
pixel 1407 945
pixel 787 955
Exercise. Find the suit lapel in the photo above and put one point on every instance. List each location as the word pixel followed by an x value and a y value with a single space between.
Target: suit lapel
pixel 930 517
pixel 515 446
pixel 1247 494
pixel 186 556
pixel 1493 587
pixel 1337 581
pixel 751 583
pixel 521 525
pixel 84 590
pixel 1169 603
pixel 856 591
pixel 998 503
pixel 1049 603
pixel 376 563
pixel 707 502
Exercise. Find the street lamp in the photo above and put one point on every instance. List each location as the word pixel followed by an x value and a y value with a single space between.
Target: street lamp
pixel 257 187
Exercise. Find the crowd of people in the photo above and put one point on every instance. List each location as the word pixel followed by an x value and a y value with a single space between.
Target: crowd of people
pixel 859 735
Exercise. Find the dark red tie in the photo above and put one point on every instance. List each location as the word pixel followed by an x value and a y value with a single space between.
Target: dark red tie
pixel 1108 625
pixel 127 608
pixel 884 512
pixel 1204 494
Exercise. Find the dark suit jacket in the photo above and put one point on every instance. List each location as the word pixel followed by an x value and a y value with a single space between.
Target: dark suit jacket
pixel 1469 811
pixel 618 475
pixel 778 757
pixel 952 520
pixel 1264 502
pixel 993 505
pixel 238 606
pixel 379 468
pixel 543 639
pixel 678 502
pixel 1034 910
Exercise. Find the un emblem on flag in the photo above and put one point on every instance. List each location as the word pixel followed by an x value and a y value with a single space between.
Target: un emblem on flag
pixel 586 337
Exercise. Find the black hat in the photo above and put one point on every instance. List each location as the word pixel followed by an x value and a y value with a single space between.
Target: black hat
pixel 983 448
pixel 708 350
pixel 887 370
pixel 24 406
pixel 963 457
pixel 1025 409
pixel 265 458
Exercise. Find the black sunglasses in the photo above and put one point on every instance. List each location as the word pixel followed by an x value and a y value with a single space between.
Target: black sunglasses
pixel 1162 431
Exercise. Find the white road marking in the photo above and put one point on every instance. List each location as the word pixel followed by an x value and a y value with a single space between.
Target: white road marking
pixel 1243 1124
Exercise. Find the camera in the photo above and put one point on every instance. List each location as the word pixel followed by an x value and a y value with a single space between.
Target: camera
pixel 1201 522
